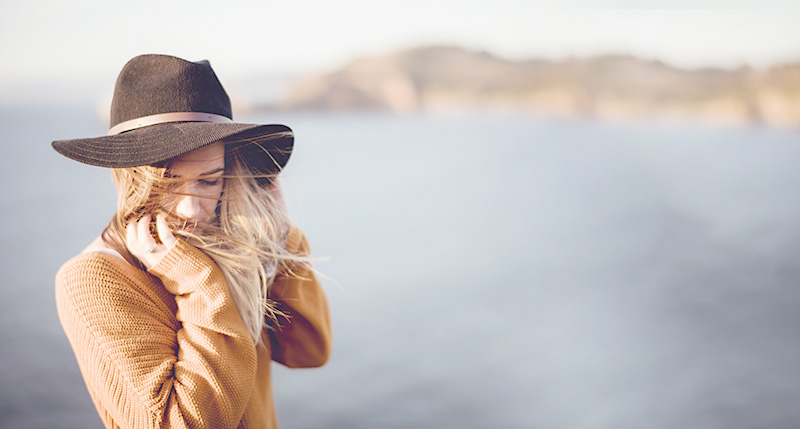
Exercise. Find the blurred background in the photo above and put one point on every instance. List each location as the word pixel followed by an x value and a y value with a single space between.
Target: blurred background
pixel 582 217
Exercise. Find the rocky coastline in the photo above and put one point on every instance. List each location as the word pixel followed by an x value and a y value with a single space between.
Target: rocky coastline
pixel 451 80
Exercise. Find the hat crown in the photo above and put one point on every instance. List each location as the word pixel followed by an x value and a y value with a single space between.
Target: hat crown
pixel 154 84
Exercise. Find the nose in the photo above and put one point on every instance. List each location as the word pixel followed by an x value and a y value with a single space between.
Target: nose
pixel 188 207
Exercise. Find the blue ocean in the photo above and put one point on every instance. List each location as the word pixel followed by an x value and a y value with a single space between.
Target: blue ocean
pixel 483 271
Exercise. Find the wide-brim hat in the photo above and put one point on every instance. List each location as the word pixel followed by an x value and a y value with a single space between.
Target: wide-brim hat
pixel 165 106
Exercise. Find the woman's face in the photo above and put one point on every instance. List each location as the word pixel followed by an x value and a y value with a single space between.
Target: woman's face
pixel 201 181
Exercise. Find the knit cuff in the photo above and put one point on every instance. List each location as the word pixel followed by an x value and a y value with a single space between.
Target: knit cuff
pixel 181 263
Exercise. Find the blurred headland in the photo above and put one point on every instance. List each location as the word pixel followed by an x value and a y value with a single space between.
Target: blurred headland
pixel 448 79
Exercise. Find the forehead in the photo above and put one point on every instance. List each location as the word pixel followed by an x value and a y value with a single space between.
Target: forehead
pixel 202 160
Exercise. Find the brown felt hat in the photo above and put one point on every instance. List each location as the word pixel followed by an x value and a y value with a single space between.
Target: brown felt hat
pixel 163 107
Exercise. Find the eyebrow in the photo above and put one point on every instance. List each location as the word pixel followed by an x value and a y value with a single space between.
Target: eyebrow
pixel 207 173
pixel 216 170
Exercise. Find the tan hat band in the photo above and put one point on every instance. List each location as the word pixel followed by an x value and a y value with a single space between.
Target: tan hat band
pixel 167 117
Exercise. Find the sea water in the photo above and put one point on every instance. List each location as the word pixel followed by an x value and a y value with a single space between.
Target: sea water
pixel 483 271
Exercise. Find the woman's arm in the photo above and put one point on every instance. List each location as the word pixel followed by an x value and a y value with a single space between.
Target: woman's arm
pixel 304 339
pixel 141 366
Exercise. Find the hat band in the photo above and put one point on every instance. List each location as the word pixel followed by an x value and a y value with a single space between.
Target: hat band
pixel 167 117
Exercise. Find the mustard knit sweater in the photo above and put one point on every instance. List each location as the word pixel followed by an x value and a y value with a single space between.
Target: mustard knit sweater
pixel 167 348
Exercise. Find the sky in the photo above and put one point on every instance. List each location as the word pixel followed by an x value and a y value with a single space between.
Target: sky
pixel 49 43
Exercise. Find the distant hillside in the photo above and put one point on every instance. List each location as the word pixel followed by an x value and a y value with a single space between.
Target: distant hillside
pixel 450 79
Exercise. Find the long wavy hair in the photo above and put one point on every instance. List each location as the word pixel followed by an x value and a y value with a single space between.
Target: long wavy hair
pixel 247 241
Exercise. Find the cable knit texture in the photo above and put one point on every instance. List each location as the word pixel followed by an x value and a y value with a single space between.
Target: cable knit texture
pixel 167 348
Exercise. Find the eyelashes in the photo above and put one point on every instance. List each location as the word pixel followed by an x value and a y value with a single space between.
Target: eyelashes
pixel 212 182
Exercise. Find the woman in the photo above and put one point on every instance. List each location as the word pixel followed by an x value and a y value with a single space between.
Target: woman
pixel 199 281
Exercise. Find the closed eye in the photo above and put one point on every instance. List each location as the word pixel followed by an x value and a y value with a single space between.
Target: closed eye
pixel 211 182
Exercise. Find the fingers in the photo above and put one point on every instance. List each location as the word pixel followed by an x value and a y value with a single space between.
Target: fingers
pixel 143 229
pixel 164 233
pixel 141 243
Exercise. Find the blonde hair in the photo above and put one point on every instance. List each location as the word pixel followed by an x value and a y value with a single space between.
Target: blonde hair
pixel 248 241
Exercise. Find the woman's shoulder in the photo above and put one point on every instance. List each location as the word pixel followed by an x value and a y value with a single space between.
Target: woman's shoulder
pixel 296 242
pixel 97 265
pixel 97 279
pixel 95 290
pixel 96 253
pixel 93 268
pixel 99 246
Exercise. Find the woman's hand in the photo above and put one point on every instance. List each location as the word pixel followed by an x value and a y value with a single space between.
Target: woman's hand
pixel 142 244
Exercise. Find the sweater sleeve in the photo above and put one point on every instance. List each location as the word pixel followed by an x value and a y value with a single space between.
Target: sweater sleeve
pixel 143 367
pixel 304 339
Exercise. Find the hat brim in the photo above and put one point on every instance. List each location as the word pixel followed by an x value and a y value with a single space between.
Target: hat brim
pixel 158 143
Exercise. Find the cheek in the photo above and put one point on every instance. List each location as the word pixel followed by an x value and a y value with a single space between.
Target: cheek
pixel 209 206
pixel 210 203
pixel 168 203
